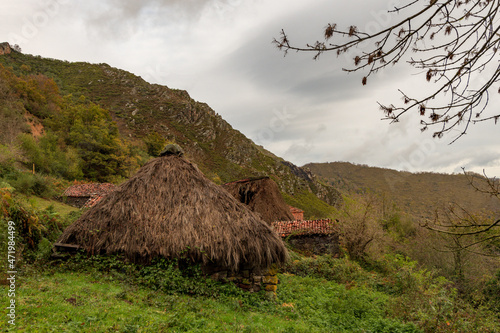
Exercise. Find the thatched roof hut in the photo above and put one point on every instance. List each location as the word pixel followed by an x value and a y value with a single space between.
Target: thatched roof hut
pixel 170 209
pixel 262 196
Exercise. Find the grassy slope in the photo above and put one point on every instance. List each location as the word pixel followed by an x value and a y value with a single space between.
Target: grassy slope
pixel 55 302
pixel 61 208
pixel 326 295
pixel 82 302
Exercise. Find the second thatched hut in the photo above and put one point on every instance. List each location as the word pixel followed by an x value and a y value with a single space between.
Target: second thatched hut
pixel 170 209
pixel 262 196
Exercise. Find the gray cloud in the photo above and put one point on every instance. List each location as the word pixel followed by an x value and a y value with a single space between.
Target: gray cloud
pixel 221 52
pixel 120 19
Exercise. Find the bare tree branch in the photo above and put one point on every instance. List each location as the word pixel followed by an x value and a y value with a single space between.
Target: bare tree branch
pixel 456 45
pixel 486 228
pixel 468 231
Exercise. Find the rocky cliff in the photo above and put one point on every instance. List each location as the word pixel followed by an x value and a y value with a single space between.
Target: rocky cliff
pixel 5 48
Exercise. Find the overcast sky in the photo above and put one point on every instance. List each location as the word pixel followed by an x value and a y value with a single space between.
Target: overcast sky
pixel 220 51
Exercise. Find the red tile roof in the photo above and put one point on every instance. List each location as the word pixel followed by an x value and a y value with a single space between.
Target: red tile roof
pixel 93 200
pixel 89 190
pixel 93 191
pixel 315 227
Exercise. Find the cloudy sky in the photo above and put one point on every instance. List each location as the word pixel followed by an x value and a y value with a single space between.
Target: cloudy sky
pixel 220 51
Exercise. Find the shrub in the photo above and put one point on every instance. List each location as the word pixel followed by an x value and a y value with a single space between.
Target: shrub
pixel 399 226
pixel 7 160
pixel 360 230
pixel 154 143
pixel 35 229
pixel 492 293
pixel 167 276
pixel 340 270
pixel 47 156
pixel 330 307
pixel 32 184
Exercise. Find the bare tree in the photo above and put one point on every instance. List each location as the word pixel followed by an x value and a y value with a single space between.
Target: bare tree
pixel 454 43
pixel 471 232
pixel 359 227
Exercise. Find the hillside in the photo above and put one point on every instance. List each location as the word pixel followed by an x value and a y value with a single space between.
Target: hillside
pixel 418 193
pixel 147 115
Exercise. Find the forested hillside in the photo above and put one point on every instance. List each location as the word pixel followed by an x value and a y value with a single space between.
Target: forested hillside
pixel 95 122
pixel 419 193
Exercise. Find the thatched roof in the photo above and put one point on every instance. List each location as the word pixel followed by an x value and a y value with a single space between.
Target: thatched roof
pixel 169 208
pixel 263 196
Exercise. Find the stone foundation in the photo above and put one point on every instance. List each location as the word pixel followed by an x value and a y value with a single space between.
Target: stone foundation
pixel 77 202
pixel 310 237
pixel 248 278
pixel 315 244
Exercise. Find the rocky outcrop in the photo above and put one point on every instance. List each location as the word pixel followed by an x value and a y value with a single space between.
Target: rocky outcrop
pixel 5 48
pixel 299 172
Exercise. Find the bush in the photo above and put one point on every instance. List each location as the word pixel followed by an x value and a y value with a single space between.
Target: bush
pixel 32 184
pixel 35 229
pixel 335 308
pixel 154 143
pixel 7 158
pixel 413 294
pixel 492 293
pixel 47 156
pixel 399 226
pixel 340 270
pixel 162 275
pixel 360 230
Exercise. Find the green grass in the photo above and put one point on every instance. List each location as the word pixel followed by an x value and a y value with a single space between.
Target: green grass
pixel 61 208
pixel 71 302
pixel 90 302
pixel 313 207
pixel 102 294
pixel 315 294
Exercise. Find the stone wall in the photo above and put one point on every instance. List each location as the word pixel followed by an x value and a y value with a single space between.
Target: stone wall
pixel 315 244
pixel 78 202
pixel 248 278
pixel 310 237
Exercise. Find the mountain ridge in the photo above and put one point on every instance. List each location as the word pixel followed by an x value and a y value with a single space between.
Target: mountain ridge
pixel 140 109
pixel 418 193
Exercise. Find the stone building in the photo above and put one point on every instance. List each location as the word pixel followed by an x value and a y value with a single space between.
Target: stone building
pixel 87 195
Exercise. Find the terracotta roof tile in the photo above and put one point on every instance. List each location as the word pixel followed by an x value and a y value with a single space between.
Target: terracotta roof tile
pixel 93 200
pixel 88 190
pixel 93 191
pixel 315 227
